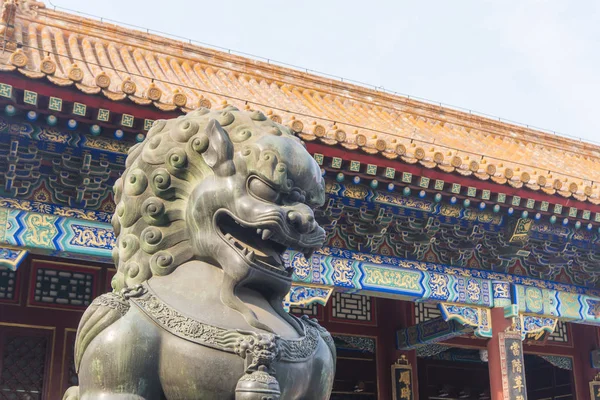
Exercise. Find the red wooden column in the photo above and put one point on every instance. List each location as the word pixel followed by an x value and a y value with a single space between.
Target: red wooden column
pixel 585 339
pixel 390 312
pixel 393 315
pixel 499 324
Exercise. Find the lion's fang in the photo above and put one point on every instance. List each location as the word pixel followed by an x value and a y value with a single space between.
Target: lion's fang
pixel 250 255
pixel 267 233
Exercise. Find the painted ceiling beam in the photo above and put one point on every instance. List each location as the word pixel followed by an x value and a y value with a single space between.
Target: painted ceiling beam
pixel 336 268
pixel 67 167
pixel 56 235
pixel 419 281
pixel 51 140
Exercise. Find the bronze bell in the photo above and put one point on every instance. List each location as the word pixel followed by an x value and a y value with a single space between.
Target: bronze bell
pixel 259 385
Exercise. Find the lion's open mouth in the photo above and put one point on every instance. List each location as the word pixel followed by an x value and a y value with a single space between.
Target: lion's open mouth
pixel 254 243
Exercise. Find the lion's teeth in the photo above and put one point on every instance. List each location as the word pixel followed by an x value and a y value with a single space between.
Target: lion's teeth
pixel 259 231
pixel 228 236
pixel 266 235
pixel 250 255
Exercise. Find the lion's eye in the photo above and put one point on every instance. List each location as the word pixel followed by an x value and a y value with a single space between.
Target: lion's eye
pixel 263 191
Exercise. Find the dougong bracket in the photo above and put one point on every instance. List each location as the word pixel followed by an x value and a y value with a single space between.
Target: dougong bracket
pixel 478 318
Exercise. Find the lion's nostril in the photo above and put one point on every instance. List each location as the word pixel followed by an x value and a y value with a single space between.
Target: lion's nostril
pixel 293 216
pixel 302 223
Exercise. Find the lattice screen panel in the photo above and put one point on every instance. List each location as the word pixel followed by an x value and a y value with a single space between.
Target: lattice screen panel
pixel 426 311
pixel 352 307
pixel 561 333
pixel 7 284
pixel 311 310
pixel 23 365
pixel 63 287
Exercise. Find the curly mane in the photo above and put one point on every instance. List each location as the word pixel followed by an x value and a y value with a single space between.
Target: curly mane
pixel 153 236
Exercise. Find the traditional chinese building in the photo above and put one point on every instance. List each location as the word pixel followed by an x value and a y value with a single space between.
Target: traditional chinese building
pixel 462 259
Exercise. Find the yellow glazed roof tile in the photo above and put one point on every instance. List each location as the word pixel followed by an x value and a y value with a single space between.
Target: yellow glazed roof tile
pixel 147 69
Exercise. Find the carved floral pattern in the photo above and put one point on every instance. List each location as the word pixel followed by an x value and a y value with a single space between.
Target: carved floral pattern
pixel 112 300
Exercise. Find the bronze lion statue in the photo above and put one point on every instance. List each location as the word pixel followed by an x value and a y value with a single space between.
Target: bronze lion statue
pixel 205 208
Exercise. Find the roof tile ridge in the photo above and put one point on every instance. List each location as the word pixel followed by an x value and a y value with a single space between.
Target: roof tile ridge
pixel 78 25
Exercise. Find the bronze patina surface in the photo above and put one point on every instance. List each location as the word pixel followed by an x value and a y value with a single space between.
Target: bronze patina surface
pixel 205 208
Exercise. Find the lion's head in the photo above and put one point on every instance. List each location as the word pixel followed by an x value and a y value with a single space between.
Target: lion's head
pixel 231 188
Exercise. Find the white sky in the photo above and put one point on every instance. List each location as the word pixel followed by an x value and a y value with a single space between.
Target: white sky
pixel 535 62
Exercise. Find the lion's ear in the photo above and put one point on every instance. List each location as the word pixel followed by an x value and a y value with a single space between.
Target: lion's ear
pixel 219 155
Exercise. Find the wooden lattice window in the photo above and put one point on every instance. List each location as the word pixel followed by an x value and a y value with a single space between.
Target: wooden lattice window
pixel 426 311
pixel 560 334
pixel 8 285
pixel 23 366
pixel 311 310
pixel 352 308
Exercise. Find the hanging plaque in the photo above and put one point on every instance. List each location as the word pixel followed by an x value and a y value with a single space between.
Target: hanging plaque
pixel 402 380
pixel 513 366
